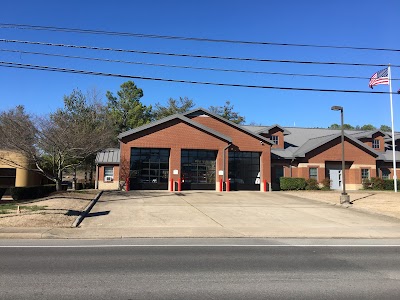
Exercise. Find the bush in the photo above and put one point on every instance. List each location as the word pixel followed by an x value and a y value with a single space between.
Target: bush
pixel 377 183
pixel 366 183
pixel 31 192
pixel 388 184
pixel 326 184
pixel 289 184
pixel 312 184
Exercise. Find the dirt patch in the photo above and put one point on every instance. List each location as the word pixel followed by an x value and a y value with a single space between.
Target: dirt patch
pixel 57 210
pixel 386 203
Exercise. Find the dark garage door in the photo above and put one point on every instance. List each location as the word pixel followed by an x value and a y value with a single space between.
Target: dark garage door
pixel 149 169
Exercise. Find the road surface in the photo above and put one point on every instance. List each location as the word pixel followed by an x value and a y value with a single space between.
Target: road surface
pixel 200 269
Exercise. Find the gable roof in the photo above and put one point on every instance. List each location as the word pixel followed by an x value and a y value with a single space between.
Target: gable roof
pixel 173 117
pixel 268 128
pixel 108 156
pixel 367 134
pixel 314 143
pixel 202 111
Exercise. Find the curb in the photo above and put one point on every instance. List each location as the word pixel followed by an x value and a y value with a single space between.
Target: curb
pixel 86 211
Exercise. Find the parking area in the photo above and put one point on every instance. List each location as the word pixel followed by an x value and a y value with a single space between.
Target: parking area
pixel 235 214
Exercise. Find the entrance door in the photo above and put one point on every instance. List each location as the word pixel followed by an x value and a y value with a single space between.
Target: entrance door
pixel 277 173
pixel 336 179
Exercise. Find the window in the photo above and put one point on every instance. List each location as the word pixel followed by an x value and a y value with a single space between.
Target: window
pixel 385 173
pixel 275 139
pixel 313 173
pixel 375 144
pixel 364 174
pixel 108 171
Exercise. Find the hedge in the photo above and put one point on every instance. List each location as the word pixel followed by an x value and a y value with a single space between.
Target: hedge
pixel 376 183
pixel 32 192
pixel 288 183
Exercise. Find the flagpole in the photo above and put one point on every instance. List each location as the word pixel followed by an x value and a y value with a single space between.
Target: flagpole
pixel 393 144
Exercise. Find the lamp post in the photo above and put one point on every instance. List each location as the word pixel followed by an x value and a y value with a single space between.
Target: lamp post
pixel 344 197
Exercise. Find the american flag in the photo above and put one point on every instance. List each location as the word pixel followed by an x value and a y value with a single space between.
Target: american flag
pixel 380 77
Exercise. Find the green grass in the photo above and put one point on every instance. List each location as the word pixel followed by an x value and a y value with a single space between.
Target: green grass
pixel 12 208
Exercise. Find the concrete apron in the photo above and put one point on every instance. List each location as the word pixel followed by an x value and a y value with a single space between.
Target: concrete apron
pixel 212 214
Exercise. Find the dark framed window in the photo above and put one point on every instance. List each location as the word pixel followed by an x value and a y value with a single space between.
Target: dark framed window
pixel 313 173
pixel 375 144
pixel 364 174
pixel 149 165
pixel 198 166
pixel 244 167
pixel 275 139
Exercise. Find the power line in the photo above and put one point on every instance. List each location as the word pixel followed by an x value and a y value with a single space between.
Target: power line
pixel 65 70
pixel 183 38
pixel 194 55
pixel 185 67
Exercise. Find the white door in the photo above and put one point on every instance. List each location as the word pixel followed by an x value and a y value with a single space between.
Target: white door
pixel 336 179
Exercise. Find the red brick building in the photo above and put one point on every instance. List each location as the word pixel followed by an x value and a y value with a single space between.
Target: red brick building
pixel 316 153
pixel 201 150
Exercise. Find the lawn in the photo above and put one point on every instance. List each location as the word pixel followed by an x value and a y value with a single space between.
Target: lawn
pixel 10 208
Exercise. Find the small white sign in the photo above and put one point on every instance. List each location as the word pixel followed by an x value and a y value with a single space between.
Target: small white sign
pixel 221 172
pixel 175 172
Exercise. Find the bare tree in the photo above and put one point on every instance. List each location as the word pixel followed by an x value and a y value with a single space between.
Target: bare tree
pixel 63 140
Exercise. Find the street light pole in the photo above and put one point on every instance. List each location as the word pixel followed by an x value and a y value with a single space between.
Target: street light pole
pixel 344 197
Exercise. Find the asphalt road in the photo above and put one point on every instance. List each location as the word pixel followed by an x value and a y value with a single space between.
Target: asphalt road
pixel 200 269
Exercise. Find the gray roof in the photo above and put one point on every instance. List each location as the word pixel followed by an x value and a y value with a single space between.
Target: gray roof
pixel 388 156
pixel 367 134
pixel 266 129
pixel 302 140
pixel 239 127
pixel 319 141
pixel 108 156
pixel 170 118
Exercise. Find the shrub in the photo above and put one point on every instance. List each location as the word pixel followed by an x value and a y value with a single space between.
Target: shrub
pixel 326 184
pixel 377 183
pixel 366 183
pixel 388 184
pixel 31 192
pixel 288 183
pixel 312 184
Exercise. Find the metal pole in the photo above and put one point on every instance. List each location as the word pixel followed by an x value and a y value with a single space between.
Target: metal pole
pixel 393 143
pixel 343 161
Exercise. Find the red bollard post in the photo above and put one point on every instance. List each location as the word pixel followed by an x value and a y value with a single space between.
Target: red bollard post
pixel 171 187
pixel 179 185
pixel 228 185
pixel 221 187
pixel 127 184
pixel 265 185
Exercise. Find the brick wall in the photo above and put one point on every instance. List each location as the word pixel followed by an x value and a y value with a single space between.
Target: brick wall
pixel 177 135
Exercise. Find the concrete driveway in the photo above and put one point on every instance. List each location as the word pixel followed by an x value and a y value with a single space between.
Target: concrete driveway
pixel 234 214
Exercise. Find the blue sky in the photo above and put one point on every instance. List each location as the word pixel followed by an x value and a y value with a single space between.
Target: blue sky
pixel 361 23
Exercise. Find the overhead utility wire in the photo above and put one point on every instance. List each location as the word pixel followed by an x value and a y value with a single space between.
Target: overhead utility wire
pixel 65 70
pixel 185 67
pixel 193 55
pixel 183 38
